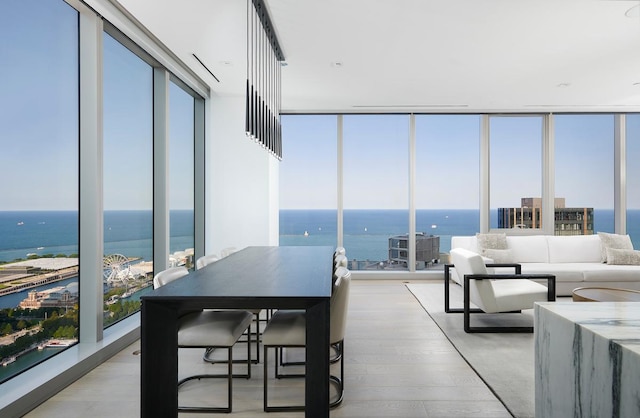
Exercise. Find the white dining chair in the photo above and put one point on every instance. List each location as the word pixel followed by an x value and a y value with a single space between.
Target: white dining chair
pixel 287 328
pixel 204 261
pixel 209 329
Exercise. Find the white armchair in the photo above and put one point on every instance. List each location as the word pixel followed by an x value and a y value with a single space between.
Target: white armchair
pixel 495 293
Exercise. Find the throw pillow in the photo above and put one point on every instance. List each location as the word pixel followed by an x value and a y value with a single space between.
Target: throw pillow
pixel 499 256
pixel 615 241
pixel 491 242
pixel 626 257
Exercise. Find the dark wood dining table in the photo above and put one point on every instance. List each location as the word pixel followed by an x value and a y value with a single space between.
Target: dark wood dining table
pixel 255 277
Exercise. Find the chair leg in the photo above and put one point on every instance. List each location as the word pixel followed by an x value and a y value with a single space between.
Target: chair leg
pixel 266 406
pixel 229 377
pixel 338 381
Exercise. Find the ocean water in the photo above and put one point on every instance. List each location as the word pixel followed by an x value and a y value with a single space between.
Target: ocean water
pixel 366 232
pixel 56 232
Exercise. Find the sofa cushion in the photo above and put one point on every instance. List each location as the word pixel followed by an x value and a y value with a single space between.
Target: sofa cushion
pixel 529 248
pixel 574 249
pixel 487 242
pixel 564 272
pixel 616 241
pixel 605 273
pixel 499 256
pixel 624 257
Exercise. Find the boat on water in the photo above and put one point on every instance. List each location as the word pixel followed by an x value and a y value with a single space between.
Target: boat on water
pixel 8 361
pixel 59 343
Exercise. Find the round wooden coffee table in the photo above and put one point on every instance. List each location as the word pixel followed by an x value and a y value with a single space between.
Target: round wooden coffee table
pixel 605 294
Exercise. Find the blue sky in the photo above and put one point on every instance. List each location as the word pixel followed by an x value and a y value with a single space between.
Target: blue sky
pixel 38 105
pixel 447 167
pixel 39 117
pixel 39 125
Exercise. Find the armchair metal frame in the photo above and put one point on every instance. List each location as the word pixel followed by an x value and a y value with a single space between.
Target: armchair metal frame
pixel 551 296
pixel 447 276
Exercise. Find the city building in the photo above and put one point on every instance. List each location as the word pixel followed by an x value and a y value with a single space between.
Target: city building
pixel 493 59
pixel 567 221
pixel 427 250
pixel 57 297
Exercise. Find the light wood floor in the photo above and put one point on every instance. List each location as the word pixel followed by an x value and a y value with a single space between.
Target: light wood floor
pixel 398 364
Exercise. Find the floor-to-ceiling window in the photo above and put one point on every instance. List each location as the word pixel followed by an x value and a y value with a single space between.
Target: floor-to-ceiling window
pixel 515 171
pixel 76 108
pixel 376 190
pixel 373 183
pixel 128 178
pixel 181 176
pixel 39 142
pixel 633 177
pixel 446 179
pixel 308 172
pixel 584 176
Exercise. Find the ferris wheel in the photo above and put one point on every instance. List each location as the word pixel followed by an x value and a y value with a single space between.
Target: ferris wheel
pixel 115 269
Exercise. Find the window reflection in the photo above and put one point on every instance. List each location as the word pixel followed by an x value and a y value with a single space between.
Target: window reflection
pixel 127 181
pixel 181 177
pixel 39 292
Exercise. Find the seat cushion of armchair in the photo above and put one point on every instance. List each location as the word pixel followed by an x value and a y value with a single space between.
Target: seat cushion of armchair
pixel 516 294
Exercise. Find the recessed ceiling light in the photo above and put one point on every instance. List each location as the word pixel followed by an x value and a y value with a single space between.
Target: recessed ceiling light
pixel 637 84
pixel 563 85
pixel 633 12
pixel 337 64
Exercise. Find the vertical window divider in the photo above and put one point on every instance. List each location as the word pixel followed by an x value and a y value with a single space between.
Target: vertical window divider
pixel 199 168
pixel 340 177
pixel 485 212
pixel 548 175
pixel 91 174
pixel 620 173
pixel 160 169
pixel 412 202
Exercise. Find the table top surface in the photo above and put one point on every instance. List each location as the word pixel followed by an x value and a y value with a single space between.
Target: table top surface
pixel 605 294
pixel 257 272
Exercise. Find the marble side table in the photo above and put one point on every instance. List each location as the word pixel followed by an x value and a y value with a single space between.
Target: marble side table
pixel 587 359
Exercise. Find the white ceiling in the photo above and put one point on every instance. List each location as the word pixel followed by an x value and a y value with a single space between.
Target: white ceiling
pixel 420 55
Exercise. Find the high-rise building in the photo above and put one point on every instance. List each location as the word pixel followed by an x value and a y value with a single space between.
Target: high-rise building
pixel 568 221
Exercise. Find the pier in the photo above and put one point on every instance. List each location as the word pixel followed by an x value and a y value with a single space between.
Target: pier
pixel 22 275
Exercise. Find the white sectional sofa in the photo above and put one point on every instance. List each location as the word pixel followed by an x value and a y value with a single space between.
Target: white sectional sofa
pixel 576 261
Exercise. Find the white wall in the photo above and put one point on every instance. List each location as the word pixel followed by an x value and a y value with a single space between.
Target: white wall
pixel 241 182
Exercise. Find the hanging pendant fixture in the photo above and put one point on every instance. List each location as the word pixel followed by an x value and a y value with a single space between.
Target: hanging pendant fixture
pixel 263 96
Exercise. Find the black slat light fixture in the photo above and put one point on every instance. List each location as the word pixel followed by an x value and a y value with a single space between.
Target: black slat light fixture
pixel 264 57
